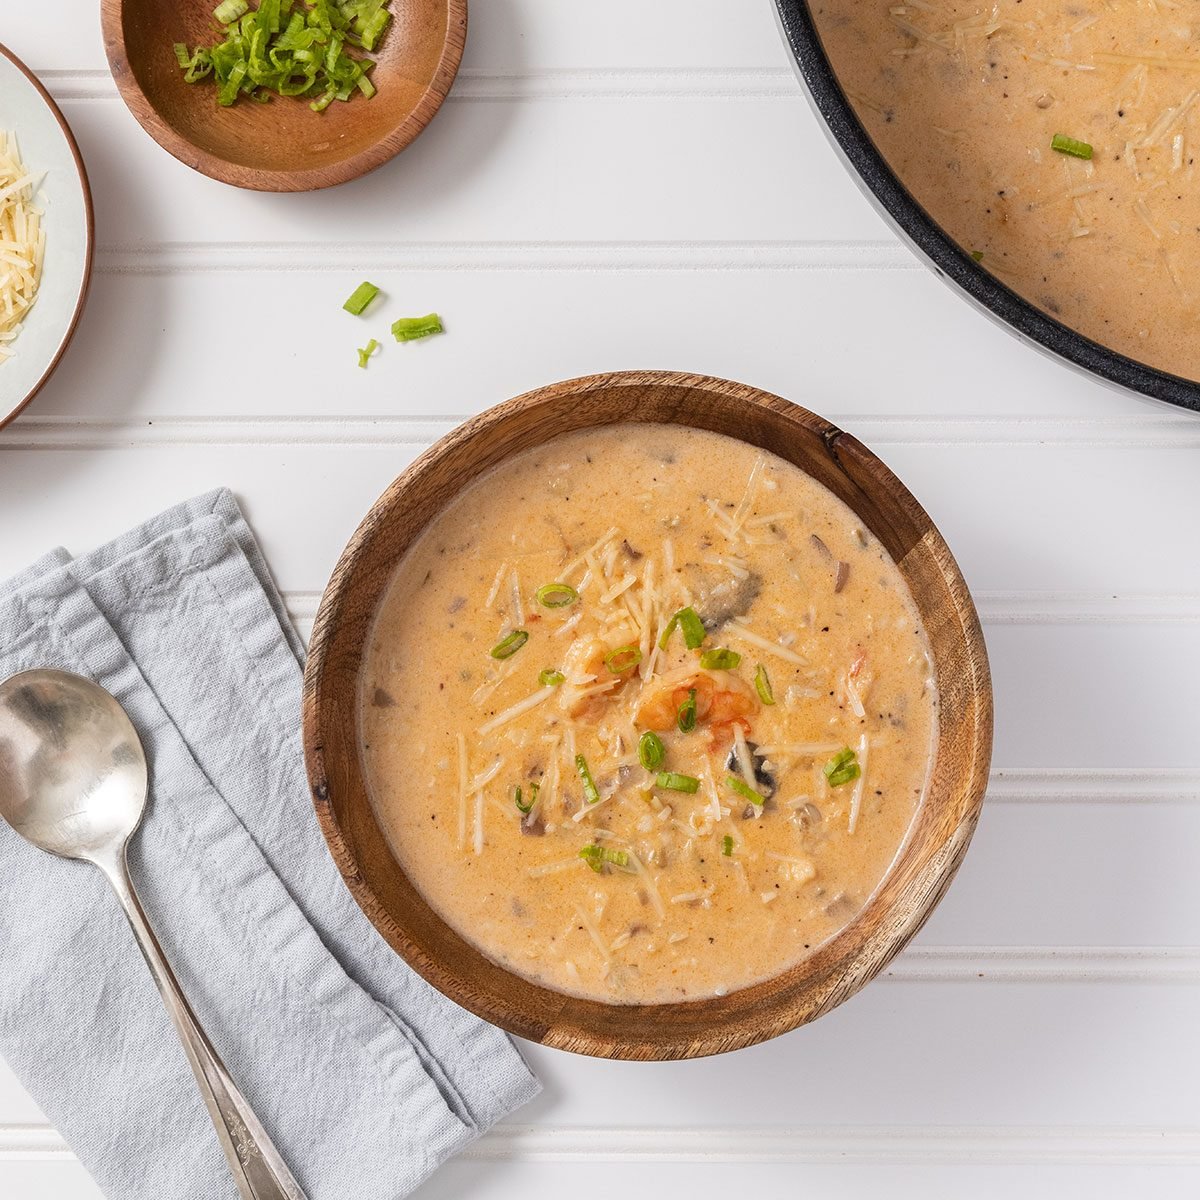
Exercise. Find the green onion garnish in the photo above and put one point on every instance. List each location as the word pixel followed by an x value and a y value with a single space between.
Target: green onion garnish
pixel 744 790
pixel 590 791
pixel 842 768
pixel 677 783
pixel 228 11
pixel 720 659
pixel 507 647
pixel 690 623
pixel 597 856
pixel 556 595
pixel 622 659
pixel 762 685
pixel 727 845
pixel 685 718
pixel 1070 145
pixel 360 298
pixel 288 49
pixel 533 795
pixel 365 353
pixel 977 255
pixel 409 329
pixel 550 677
pixel 651 751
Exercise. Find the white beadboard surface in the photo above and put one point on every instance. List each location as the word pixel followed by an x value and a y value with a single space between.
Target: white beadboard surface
pixel 641 184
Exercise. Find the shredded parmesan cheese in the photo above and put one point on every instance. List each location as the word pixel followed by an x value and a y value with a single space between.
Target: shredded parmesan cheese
pixel 522 706
pixel 462 791
pixel 857 795
pixel 23 240
pixel 747 635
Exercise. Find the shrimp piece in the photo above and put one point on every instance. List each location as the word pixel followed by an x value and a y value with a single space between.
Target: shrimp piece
pixel 589 683
pixel 721 700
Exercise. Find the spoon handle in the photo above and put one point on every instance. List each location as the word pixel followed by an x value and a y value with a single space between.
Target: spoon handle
pixel 258 1169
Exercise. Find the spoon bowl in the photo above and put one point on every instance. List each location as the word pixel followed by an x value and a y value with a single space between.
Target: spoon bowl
pixel 73 775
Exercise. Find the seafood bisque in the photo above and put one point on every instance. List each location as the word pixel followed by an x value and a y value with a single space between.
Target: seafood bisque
pixel 647 714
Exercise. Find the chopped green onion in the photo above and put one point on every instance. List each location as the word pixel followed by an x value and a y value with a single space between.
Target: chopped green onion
pixel 550 677
pixel 556 595
pixel 977 255
pixel 762 685
pixel 283 48
pixel 507 647
pixel 651 751
pixel 672 782
pixel 1070 145
pixel 228 11
pixel 727 845
pixel 744 790
pixel 358 299
pixel 533 795
pixel 365 353
pixel 690 623
pixel 409 329
pixel 842 768
pixel 666 633
pixel 597 856
pixel 590 791
pixel 693 628
pixel 720 659
pixel 685 718
pixel 622 659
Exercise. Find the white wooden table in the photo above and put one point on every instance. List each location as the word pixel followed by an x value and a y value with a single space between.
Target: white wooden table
pixel 640 184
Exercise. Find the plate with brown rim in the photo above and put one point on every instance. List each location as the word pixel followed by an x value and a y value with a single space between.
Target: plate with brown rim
pixel 49 153
pixel 941 829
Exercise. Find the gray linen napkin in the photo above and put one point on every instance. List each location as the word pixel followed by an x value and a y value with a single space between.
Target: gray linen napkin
pixel 365 1076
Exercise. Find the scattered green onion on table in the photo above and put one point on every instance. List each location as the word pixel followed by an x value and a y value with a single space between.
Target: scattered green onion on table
pixel 290 48
pixel 357 301
pixel 410 329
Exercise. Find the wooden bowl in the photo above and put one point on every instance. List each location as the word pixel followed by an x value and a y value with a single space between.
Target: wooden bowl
pixel 942 827
pixel 281 146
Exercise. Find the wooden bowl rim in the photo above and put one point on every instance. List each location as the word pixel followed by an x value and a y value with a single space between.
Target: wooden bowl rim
pixel 261 179
pixel 89 251
pixel 967 796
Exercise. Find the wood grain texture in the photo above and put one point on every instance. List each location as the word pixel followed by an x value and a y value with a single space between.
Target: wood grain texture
pixel 942 828
pixel 281 146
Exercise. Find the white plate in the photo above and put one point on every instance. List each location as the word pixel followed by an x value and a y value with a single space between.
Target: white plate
pixel 48 149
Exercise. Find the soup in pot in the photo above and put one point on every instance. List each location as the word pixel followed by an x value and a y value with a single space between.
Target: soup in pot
pixel 1054 142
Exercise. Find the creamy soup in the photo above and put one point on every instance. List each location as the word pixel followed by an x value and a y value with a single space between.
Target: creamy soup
pixel 965 100
pixel 647 714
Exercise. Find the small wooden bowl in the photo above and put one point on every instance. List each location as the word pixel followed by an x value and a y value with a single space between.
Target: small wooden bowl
pixel 281 146
pixel 942 827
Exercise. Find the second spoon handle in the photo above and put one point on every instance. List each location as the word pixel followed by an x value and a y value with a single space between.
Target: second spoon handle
pixel 258 1169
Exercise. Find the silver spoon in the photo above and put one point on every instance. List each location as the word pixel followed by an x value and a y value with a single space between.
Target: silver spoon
pixel 73 782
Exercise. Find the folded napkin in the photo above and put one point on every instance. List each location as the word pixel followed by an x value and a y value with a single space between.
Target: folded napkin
pixel 365 1076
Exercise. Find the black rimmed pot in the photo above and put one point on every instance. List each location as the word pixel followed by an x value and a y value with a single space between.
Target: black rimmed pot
pixel 945 256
